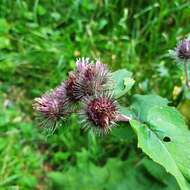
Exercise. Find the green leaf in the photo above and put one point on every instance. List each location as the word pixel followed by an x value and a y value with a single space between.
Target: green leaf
pixel 169 125
pixel 123 82
pixel 4 26
pixel 164 137
pixel 29 181
pixel 143 103
pixel 56 178
pixel 41 10
pixel 126 111
pixel 156 170
pixel 159 173
pixel 123 133
pixel 4 42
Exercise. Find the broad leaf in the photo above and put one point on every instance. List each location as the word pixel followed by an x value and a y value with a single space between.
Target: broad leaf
pixel 169 125
pixel 159 173
pixel 156 150
pixel 163 136
pixel 143 103
pixel 123 82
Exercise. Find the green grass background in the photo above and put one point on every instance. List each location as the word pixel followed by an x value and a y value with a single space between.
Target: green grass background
pixel 39 43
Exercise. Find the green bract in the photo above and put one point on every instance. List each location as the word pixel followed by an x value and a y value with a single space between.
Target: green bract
pixel 123 82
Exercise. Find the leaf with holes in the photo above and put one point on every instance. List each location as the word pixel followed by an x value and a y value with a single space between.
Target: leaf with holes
pixel 123 82
pixel 165 138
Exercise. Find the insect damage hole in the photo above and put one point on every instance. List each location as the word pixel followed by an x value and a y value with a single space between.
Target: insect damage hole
pixel 166 139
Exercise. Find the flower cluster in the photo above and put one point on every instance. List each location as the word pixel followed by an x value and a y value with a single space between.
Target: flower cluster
pixel 87 92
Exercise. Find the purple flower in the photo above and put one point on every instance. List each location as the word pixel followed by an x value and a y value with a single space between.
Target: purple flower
pixel 92 78
pixel 183 49
pixel 182 52
pixel 82 64
pixel 182 55
pixel 100 113
pixel 51 108
pixel 70 85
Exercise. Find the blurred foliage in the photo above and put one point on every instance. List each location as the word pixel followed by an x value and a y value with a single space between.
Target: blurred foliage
pixel 39 42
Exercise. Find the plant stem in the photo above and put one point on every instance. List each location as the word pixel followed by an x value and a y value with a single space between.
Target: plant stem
pixel 186 74
pixel 123 118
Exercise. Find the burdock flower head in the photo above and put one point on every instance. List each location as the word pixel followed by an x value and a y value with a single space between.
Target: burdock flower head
pixel 51 108
pixel 182 55
pixel 182 52
pixel 99 113
pixel 70 85
pixel 92 78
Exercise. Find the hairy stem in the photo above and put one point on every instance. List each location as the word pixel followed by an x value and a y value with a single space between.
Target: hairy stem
pixel 186 74
pixel 123 118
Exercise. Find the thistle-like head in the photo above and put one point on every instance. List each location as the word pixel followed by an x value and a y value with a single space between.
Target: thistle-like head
pixel 70 85
pixel 92 77
pixel 182 52
pixel 51 108
pixel 100 113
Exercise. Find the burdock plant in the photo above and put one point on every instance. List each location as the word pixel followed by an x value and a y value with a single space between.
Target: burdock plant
pixel 92 91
